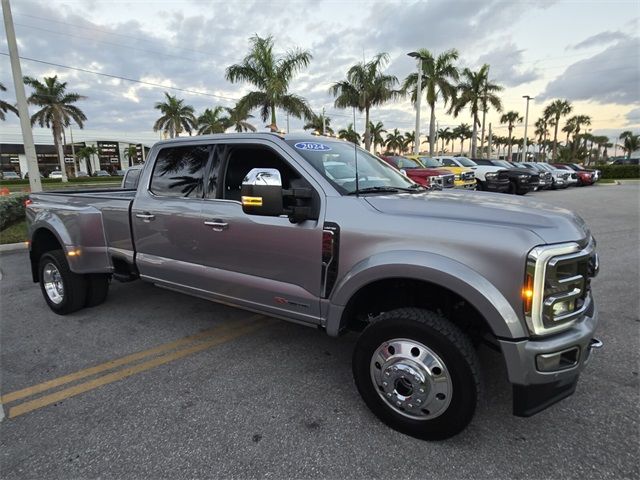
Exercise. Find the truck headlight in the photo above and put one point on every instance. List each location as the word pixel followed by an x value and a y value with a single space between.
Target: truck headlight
pixel 556 287
pixel 457 176
pixel 491 176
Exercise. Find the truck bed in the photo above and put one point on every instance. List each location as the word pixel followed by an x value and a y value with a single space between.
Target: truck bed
pixel 93 221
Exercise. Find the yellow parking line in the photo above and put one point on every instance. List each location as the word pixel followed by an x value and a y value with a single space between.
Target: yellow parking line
pixel 31 405
pixel 41 387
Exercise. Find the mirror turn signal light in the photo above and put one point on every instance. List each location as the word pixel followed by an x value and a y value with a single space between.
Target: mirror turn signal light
pixel 252 201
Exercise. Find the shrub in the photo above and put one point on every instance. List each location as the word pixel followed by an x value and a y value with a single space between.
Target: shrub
pixel 620 171
pixel 11 209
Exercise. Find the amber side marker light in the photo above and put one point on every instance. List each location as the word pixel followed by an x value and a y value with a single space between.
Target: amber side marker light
pixel 73 253
pixel 252 201
pixel 527 293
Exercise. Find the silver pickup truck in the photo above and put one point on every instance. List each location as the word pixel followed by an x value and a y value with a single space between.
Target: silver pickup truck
pixel 319 232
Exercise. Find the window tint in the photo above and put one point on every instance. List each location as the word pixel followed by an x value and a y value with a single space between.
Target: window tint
pixel 131 178
pixel 448 163
pixel 179 171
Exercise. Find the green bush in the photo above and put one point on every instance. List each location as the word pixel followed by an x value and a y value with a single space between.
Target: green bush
pixel 11 209
pixel 53 181
pixel 620 171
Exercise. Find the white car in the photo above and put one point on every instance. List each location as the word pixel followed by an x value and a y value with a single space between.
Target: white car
pixel 56 174
pixel 560 178
pixel 486 175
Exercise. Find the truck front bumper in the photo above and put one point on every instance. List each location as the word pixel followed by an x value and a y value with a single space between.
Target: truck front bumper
pixel 543 371
pixel 497 185
pixel 466 184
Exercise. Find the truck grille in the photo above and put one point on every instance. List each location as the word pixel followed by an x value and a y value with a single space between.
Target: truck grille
pixel 468 176
pixel 448 181
pixel 503 175
pixel 535 179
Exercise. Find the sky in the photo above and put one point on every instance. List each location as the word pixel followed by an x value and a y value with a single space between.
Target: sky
pixel 585 51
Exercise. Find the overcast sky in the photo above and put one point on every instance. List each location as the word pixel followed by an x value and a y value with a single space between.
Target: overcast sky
pixel 586 51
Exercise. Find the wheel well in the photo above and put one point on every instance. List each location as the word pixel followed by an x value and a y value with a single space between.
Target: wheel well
pixel 42 241
pixel 389 294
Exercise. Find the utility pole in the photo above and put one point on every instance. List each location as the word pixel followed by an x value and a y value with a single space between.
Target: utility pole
pixel 324 123
pixel 21 98
pixel 416 147
pixel 526 121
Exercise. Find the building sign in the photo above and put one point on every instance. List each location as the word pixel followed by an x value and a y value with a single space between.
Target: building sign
pixel 139 154
pixel 108 153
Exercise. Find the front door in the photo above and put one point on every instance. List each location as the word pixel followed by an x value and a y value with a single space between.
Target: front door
pixel 259 262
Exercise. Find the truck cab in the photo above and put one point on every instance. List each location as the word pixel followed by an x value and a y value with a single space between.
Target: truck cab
pixel 462 167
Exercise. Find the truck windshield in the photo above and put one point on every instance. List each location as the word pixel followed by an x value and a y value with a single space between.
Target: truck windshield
pixel 465 162
pixel 430 162
pixel 336 161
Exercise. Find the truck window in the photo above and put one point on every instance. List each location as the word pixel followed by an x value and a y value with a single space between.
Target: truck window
pixel 179 171
pixel 241 159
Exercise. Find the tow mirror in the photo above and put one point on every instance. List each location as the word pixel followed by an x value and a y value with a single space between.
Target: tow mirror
pixel 261 192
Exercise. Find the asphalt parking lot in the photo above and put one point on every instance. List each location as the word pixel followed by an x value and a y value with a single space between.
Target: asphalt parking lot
pixel 154 384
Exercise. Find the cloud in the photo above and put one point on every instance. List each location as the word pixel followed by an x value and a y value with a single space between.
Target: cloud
pixel 600 39
pixel 633 116
pixel 611 76
pixel 504 62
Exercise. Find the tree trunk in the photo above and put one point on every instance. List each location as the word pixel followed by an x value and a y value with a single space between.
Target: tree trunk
pixel 509 147
pixel 274 126
pixel 461 145
pixel 474 137
pixel 555 138
pixel 432 129
pixel 484 116
pixel 58 144
pixel 367 132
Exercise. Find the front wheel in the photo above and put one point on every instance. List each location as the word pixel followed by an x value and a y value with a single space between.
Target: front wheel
pixel 418 373
pixel 479 185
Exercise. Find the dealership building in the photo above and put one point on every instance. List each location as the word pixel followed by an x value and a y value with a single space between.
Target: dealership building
pixel 110 157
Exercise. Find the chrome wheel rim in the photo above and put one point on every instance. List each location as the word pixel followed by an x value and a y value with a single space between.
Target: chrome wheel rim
pixel 411 379
pixel 53 285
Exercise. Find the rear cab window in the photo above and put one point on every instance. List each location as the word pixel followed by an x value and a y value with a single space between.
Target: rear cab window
pixel 180 171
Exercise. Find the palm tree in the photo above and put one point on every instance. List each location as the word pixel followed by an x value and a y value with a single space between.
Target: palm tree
pixel 4 106
pixel 554 111
pixel 57 110
pixel 176 116
pixel 474 91
pixel 131 153
pixel 576 122
pixel 489 99
pixel 437 77
pixel 349 134
pixel 409 139
pixel 444 134
pixel 542 132
pixel 376 132
pixel 462 131
pixel 630 142
pixel 395 141
pixel 271 74
pixel 366 86
pixel 212 121
pixel 238 119
pixel 510 118
pixel 318 122
pixel 87 153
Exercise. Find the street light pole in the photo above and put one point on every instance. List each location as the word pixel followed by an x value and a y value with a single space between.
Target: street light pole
pixel 526 121
pixel 416 148
pixel 23 112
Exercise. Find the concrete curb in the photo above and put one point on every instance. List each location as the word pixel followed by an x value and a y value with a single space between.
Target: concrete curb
pixel 13 247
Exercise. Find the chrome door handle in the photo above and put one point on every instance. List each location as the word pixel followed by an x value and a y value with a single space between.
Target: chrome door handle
pixel 217 225
pixel 146 217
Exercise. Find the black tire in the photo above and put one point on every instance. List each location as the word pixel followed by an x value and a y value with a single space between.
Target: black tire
pixel 74 287
pixel 97 289
pixel 512 188
pixel 522 191
pixel 448 342
pixel 479 185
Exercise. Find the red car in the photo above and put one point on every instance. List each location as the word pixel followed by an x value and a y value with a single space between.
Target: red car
pixel 585 177
pixel 428 177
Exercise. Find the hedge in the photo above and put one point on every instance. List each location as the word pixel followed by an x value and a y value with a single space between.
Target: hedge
pixel 54 181
pixel 11 209
pixel 619 171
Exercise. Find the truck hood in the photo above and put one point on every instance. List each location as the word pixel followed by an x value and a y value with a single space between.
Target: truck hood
pixel 427 172
pixel 552 224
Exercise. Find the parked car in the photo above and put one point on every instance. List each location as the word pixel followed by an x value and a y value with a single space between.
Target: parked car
pixel 119 173
pixel 625 161
pixel 490 177
pixel 584 178
pixel 545 179
pixel 461 167
pixel 26 175
pixel 101 173
pixel 55 174
pixel 579 168
pixel 521 180
pixel 559 178
pixel 9 175
pixel 424 276
pixel 427 177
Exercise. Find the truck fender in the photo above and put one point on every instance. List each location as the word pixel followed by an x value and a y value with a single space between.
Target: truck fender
pixel 436 269
pixel 82 233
